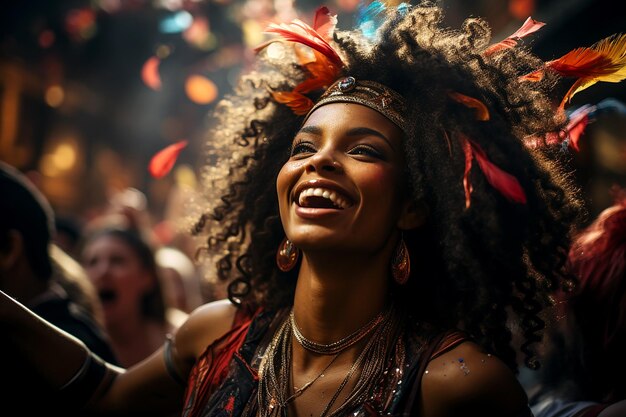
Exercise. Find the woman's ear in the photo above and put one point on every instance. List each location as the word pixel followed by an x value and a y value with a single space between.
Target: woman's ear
pixel 413 215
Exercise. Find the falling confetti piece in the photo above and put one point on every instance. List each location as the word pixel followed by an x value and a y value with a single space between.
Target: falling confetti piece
pixel 150 73
pixel 163 161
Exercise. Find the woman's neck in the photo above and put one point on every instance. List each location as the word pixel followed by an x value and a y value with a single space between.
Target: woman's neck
pixel 334 297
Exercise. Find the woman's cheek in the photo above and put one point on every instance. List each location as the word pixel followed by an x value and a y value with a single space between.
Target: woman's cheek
pixel 380 178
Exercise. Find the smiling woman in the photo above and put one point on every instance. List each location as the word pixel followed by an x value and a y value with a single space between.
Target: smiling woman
pixel 382 223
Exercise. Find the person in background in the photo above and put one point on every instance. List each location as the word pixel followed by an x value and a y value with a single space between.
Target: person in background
pixel 121 266
pixel 584 369
pixel 36 273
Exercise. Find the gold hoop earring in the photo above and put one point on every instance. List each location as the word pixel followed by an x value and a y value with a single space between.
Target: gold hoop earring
pixel 287 255
pixel 401 263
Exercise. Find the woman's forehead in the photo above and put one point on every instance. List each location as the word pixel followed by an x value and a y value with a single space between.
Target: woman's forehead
pixel 352 115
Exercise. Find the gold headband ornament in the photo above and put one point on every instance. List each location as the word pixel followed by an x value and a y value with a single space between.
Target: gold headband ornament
pixel 371 94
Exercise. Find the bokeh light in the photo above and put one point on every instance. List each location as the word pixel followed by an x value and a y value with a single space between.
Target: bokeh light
pixel 54 95
pixel 200 89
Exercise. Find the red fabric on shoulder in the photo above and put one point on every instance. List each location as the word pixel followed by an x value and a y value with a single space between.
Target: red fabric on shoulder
pixel 212 366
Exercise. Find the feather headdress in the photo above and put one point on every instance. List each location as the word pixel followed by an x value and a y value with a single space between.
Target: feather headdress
pixel 322 70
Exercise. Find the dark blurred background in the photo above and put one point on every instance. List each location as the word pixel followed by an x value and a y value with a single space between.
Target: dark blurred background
pixel 91 89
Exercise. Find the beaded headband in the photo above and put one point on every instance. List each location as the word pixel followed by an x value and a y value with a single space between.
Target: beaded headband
pixel 371 94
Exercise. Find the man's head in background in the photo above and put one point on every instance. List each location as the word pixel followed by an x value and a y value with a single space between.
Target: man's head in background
pixel 26 230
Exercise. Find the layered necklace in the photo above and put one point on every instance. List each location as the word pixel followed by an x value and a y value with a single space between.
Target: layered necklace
pixel 274 394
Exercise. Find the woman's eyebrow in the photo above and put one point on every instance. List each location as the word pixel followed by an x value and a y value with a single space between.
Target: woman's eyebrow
pixel 312 129
pixel 366 131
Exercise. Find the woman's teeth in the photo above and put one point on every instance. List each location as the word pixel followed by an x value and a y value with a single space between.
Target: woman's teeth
pixel 309 196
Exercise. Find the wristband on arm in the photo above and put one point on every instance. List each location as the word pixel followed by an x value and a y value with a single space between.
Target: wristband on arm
pixel 94 377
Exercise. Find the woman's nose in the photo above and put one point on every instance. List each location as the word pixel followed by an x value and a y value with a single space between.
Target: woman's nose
pixel 323 161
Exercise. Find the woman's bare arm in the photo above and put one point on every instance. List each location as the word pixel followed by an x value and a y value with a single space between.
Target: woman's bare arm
pixel 148 387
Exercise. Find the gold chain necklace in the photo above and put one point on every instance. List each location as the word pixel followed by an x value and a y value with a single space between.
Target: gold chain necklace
pixel 274 371
pixel 334 347
pixel 298 391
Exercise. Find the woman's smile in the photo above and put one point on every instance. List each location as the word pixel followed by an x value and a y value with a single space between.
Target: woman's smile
pixel 319 198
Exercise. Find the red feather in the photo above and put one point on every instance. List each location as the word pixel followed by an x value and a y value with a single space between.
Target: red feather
pixel 467 186
pixel 324 22
pixel 530 26
pixel 577 124
pixel 576 131
pixel 322 70
pixel 502 181
pixel 163 161
pixel 299 32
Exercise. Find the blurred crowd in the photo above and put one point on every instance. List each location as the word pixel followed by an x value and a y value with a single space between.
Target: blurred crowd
pixel 114 282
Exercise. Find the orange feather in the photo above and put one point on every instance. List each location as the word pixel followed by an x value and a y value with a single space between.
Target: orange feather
pixel 299 103
pixel 482 113
pixel 323 73
pixel 603 61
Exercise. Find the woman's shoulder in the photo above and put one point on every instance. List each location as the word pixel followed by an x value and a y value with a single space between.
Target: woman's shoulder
pixel 465 378
pixel 205 325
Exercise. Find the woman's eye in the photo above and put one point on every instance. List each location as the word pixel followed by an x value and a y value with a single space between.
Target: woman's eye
pixel 302 147
pixel 366 151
